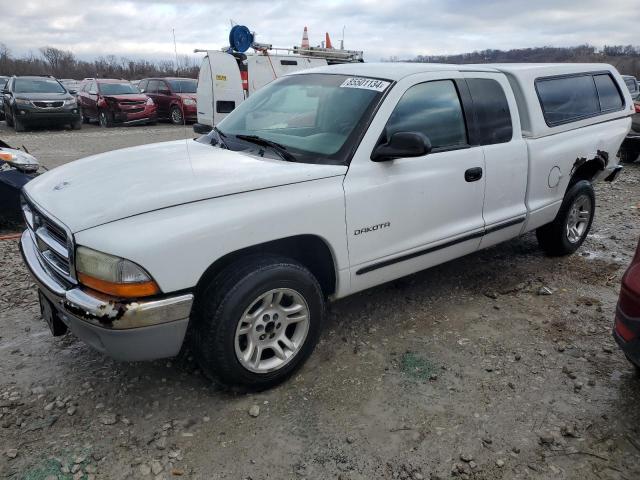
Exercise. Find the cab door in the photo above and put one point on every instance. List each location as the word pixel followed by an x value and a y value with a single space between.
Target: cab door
pixel 408 214
pixel 505 153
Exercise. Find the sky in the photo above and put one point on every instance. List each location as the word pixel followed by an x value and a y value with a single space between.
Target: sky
pixel 400 28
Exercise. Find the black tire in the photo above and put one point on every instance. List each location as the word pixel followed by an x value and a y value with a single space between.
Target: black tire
pixel 18 125
pixel 175 115
pixel 77 125
pixel 104 119
pixel 221 304
pixel 554 237
pixel 9 119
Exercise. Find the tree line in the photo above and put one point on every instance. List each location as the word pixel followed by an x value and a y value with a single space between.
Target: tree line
pixel 626 58
pixel 64 64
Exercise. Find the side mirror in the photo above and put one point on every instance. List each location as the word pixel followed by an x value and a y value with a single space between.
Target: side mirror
pixel 6 91
pixel 402 145
pixel 73 92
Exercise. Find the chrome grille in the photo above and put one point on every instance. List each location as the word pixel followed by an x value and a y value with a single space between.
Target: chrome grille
pixel 50 104
pixel 53 243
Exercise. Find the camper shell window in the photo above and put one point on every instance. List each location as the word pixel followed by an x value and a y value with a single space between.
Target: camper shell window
pixel 569 98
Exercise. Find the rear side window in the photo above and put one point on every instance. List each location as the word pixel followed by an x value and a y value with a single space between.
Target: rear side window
pixel 608 93
pixel 432 108
pixel 575 97
pixel 492 111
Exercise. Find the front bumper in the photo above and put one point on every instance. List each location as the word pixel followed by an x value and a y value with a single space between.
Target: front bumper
pixel 47 116
pixel 129 116
pixel 124 330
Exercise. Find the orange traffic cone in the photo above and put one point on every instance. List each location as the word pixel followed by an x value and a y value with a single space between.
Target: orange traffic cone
pixel 328 40
pixel 305 40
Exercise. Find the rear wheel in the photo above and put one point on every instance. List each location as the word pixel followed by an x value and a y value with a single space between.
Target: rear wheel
pixel 572 223
pixel 176 115
pixel 257 322
pixel 105 120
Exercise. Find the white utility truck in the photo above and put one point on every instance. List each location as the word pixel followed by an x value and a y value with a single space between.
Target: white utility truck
pixel 321 184
pixel 226 79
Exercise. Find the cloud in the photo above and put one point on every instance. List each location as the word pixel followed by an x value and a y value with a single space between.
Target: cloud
pixel 403 28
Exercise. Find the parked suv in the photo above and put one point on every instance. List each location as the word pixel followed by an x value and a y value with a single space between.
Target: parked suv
pixel 175 98
pixel 111 101
pixel 324 183
pixel 3 82
pixel 31 100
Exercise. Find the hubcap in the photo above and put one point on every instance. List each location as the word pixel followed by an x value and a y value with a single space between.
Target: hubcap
pixel 272 330
pixel 103 119
pixel 176 116
pixel 578 220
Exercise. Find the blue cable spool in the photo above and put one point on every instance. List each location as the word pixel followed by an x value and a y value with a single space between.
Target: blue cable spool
pixel 240 38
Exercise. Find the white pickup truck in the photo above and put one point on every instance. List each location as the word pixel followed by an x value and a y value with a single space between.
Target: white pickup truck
pixel 324 183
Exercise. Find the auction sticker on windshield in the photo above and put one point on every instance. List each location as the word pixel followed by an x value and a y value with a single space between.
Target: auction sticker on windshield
pixel 366 83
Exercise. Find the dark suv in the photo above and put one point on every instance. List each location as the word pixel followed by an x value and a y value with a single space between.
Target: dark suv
pixel 32 100
pixel 174 97
pixel 3 82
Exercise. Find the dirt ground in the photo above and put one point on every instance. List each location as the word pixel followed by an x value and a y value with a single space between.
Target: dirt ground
pixel 465 370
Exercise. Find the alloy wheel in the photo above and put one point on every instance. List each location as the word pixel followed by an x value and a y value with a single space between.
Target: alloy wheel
pixel 272 330
pixel 578 219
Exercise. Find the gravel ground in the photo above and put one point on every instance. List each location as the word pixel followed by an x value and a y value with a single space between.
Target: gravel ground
pixel 466 370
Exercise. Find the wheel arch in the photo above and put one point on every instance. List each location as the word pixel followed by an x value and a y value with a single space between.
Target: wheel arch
pixel 312 251
pixel 584 169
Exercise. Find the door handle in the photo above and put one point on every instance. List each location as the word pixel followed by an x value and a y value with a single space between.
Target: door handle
pixel 473 174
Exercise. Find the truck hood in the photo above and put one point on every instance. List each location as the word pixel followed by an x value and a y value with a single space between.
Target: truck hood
pixel 118 184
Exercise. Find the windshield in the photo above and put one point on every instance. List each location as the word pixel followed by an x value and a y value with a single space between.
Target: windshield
pixel 37 85
pixel 183 85
pixel 317 118
pixel 124 88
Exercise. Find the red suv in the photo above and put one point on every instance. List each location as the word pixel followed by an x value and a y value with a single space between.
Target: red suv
pixel 627 327
pixel 175 97
pixel 115 101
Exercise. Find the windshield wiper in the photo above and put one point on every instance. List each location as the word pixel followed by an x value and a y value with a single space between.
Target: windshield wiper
pixel 219 140
pixel 281 150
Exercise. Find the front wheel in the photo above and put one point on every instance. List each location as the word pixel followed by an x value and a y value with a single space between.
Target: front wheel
pixel 105 120
pixel 257 322
pixel 566 233
pixel 176 115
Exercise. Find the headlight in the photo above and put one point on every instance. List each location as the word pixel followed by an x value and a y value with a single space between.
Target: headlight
pixel 113 275
pixel 19 160
pixel 22 101
pixel 189 101
pixel 149 101
pixel 71 102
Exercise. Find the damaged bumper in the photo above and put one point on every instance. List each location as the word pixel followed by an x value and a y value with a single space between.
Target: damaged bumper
pixel 124 330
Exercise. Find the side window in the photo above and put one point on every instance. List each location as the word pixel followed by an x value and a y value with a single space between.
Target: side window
pixel 93 88
pixel 432 108
pixel 152 87
pixel 566 99
pixel 608 93
pixel 142 86
pixel 492 111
